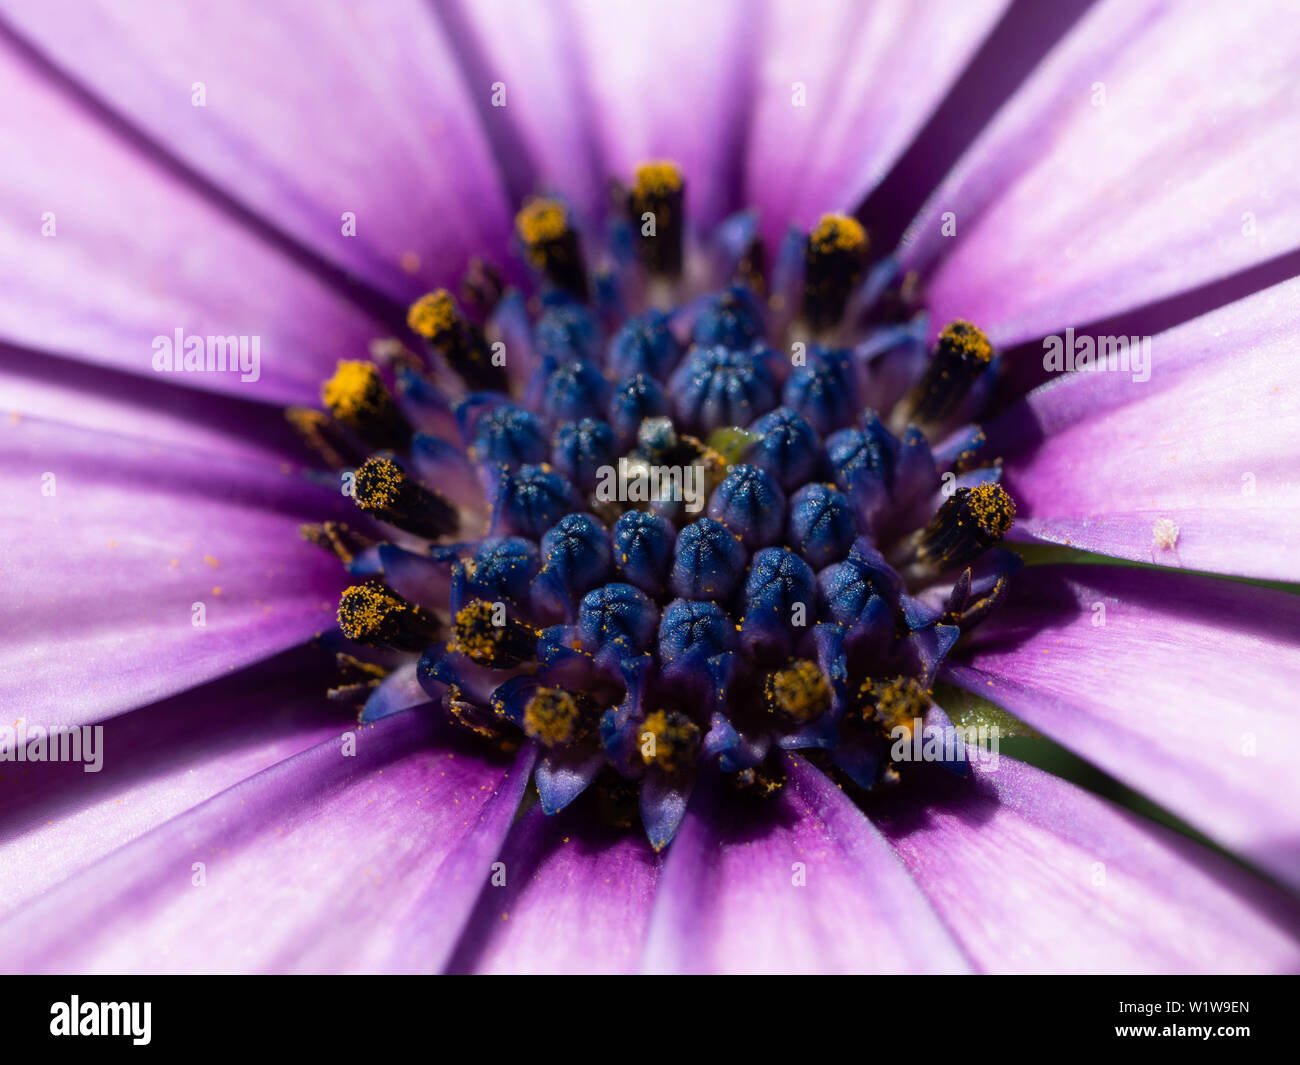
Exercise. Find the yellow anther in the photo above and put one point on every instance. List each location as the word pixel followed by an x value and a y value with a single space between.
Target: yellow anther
pixel 355 390
pixel 963 338
pixel 800 692
pixel 554 717
pixel 379 484
pixel 993 508
pixel 838 232
pixel 657 179
pixel 432 314
pixel 669 739
pixel 895 703
pixel 541 221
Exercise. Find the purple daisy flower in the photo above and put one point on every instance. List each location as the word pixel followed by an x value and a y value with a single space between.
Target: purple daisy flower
pixel 673 559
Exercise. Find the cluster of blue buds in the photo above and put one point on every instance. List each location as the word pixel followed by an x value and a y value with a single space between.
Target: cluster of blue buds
pixel 667 516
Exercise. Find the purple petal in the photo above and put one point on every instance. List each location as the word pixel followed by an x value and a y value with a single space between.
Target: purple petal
pixel 323 110
pixel 108 544
pixel 400 690
pixel 670 82
pixel 851 60
pixel 153 408
pixel 284 854
pixel 561 873
pixel 136 254
pixel 1176 684
pixel 1209 443
pixel 805 884
pixel 1035 875
pixel 1070 209
pixel 562 776
pixel 156 763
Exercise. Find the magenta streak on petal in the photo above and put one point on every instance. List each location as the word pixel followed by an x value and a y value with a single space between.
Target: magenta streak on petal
pixel 312 865
pixel 730 897
pixel 870 74
pixel 136 254
pixel 156 763
pixel 1070 209
pixel 325 109
pixel 1178 685
pixel 1035 875
pixel 107 544
pixel 1210 443
pixel 576 899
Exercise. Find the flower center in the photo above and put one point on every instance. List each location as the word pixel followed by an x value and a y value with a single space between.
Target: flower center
pixel 696 526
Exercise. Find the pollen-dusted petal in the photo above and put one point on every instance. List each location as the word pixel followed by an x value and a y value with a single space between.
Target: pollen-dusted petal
pixel 809 887
pixel 1204 436
pixel 1064 220
pixel 1075 649
pixel 109 601
pixel 411 808
pixel 1035 875
pixel 596 883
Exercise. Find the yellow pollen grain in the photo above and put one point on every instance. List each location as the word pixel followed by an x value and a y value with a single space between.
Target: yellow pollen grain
pixel 381 485
pixel 432 314
pixel 552 716
pixel 364 609
pixel 800 691
pixel 968 339
pixel 899 702
pixel 993 507
pixel 353 389
pixel 838 232
pixel 676 738
pixel 541 221
pixel 658 178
